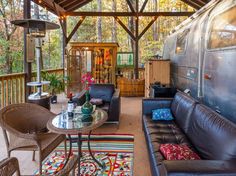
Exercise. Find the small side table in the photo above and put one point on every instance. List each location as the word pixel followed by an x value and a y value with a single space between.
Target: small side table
pixel 162 91
pixel 78 125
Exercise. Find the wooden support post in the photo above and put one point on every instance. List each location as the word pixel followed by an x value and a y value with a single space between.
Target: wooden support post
pixel 27 65
pixel 136 60
pixel 78 6
pixel 75 29
pixel 62 19
pixel 64 39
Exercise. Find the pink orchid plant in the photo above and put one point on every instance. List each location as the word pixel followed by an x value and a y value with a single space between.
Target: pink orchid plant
pixel 87 79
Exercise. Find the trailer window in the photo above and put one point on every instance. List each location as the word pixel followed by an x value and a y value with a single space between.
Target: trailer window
pixel 181 42
pixel 223 30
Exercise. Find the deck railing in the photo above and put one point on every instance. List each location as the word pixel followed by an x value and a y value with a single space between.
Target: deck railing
pixel 12 87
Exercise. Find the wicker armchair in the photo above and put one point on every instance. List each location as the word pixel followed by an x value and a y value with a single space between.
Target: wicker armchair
pixel 9 166
pixel 24 128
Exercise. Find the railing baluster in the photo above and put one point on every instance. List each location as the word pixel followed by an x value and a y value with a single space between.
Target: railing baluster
pixel 11 91
pixel 21 89
pixel 7 96
pixel 2 92
pixel 17 90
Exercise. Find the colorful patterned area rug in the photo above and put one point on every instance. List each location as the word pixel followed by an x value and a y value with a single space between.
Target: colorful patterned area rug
pixel 115 150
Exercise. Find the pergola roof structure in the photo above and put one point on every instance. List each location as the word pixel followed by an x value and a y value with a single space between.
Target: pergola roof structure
pixel 62 7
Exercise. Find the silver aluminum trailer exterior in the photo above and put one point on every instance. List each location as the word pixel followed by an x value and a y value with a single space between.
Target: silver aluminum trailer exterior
pixel 203 56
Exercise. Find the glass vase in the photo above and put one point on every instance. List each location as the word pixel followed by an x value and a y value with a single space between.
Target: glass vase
pixel 87 107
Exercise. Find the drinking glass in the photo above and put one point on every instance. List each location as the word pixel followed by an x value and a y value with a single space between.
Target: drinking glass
pixel 63 113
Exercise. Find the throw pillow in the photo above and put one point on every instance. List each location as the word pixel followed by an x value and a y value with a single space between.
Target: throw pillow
pixel 96 101
pixel 178 152
pixel 162 114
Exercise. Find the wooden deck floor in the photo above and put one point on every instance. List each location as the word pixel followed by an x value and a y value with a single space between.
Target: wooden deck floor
pixel 130 123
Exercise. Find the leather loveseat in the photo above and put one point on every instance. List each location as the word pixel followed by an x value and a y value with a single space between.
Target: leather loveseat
pixel 205 132
pixel 110 97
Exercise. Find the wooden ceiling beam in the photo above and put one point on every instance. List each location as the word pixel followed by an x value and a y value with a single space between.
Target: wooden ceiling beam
pixel 70 3
pixel 124 14
pixel 49 4
pixel 192 4
pixel 59 2
pixel 203 2
pixel 78 5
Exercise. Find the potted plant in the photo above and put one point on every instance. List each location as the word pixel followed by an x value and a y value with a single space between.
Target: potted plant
pixel 56 86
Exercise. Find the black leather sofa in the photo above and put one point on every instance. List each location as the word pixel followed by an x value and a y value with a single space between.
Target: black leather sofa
pixel 207 133
pixel 110 97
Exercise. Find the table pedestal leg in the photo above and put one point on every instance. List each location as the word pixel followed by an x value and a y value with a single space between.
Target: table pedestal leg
pixel 70 151
pixel 79 152
pixel 91 154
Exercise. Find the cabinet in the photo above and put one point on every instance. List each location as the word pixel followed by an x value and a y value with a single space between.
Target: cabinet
pixel 131 87
pixel 156 71
pixel 99 59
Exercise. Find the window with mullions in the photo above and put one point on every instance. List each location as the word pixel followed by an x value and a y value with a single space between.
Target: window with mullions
pixel 223 30
pixel 181 42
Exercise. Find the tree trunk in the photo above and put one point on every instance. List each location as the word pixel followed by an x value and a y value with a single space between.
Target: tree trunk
pixel 8 50
pixel 99 22
pixel 154 27
pixel 8 59
pixel 114 28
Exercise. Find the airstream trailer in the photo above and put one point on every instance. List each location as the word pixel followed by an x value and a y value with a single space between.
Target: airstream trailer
pixel 203 56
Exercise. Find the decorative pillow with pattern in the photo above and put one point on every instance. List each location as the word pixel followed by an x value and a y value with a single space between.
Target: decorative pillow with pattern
pixel 96 101
pixel 162 114
pixel 178 152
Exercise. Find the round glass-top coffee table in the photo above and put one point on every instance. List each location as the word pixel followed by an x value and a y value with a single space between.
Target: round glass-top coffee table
pixel 79 124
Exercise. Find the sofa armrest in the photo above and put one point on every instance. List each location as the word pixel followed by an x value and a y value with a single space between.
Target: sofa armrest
pixel 149 104
pixel 80 98
pixel 114 110
pixel 197 167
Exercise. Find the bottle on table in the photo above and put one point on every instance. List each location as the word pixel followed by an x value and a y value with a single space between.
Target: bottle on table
pixel 70 107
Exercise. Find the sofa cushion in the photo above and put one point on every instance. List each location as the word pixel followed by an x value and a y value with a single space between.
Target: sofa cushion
pixel 182 107
pixel 96 101
pixel 212 135
pixel 178 152
pixel 162 114
pixel 103 91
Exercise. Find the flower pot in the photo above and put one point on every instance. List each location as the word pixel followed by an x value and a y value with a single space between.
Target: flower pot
pixel 53 99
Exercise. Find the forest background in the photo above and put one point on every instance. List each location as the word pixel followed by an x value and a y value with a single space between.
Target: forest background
pixel 93 29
